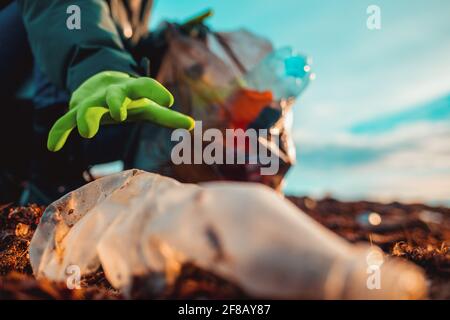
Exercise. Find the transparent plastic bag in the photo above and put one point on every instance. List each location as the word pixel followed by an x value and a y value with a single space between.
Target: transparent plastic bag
pixel 207 77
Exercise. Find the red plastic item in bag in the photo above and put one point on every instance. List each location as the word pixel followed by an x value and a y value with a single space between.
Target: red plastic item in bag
pixel 246 104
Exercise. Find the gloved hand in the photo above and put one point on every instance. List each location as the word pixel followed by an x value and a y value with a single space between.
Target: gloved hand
pixel 112 97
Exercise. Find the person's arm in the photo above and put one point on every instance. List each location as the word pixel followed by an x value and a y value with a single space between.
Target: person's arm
pixel 69 57
pixel 93 65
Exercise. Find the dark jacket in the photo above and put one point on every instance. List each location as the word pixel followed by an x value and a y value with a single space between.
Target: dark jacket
pixel 69 57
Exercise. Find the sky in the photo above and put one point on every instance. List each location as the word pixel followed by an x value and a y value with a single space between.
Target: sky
pixel 363 76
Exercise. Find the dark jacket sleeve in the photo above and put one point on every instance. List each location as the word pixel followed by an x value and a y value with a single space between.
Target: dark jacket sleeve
pixel 69 57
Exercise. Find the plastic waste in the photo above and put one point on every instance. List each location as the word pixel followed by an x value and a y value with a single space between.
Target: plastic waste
pixel 283 72
pixel 246 105
pixel 205 74
pixel 141 225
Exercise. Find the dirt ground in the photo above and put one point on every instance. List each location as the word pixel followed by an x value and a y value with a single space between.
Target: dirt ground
pixel 415 232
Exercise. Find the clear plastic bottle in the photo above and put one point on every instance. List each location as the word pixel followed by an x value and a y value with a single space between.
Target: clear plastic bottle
pixel 284 72
pixel 136 225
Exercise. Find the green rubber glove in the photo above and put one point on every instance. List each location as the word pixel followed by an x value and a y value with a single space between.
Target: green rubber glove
pixel 113 97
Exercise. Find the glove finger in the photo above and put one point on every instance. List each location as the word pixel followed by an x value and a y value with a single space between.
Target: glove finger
pixel 88 120
pixel 61 130
pixel 145 109
pixel 116 99
pixel 151 89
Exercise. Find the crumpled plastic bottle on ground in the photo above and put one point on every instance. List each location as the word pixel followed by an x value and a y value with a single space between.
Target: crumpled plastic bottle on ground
pixel 137 224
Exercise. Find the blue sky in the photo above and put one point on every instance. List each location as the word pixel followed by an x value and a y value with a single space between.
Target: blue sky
pixel 361 74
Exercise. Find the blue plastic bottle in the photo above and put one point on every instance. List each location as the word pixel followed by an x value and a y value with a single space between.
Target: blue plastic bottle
pixel 284 72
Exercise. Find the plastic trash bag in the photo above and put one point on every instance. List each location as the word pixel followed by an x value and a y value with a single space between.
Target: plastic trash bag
pixel 207 75
pixel 139 225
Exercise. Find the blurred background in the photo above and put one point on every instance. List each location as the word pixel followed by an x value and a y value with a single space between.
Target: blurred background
pixel 375 124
